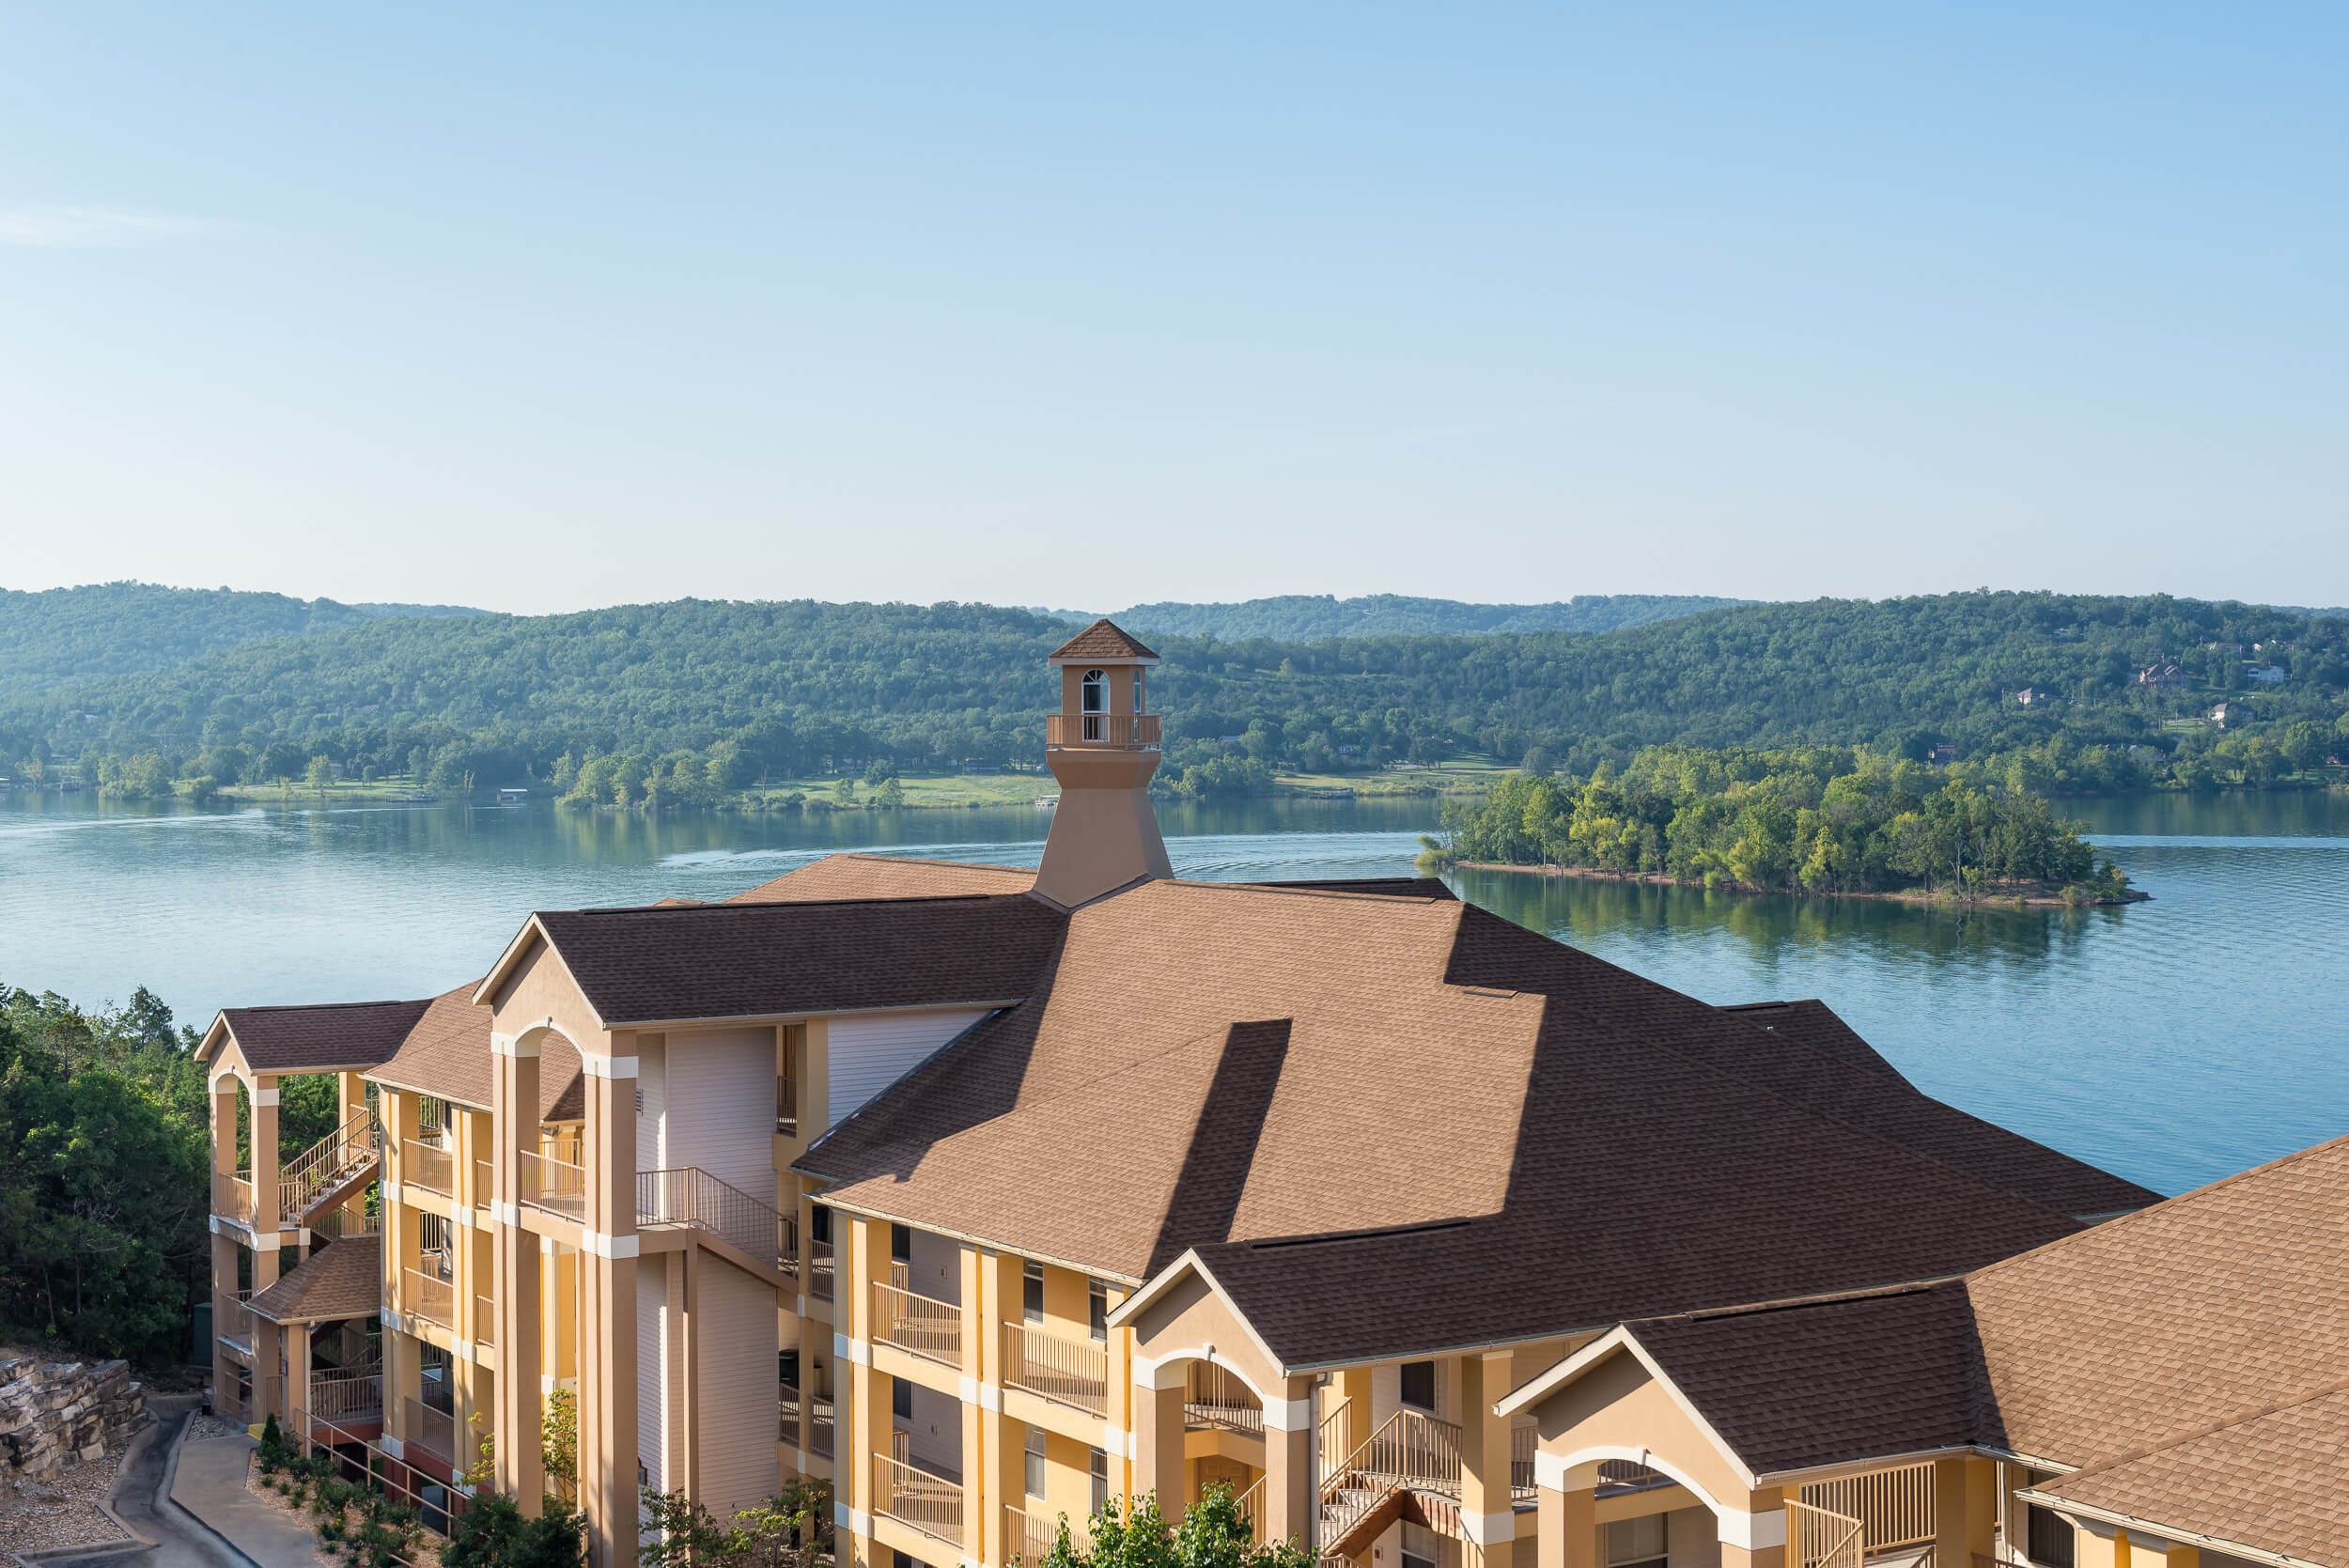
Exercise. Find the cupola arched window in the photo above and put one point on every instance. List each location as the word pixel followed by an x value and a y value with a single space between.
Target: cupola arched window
pixel 1094 700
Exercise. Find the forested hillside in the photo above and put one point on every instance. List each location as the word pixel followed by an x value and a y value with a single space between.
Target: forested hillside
pixel 64 635
pixel 800 687
pixel 1311 617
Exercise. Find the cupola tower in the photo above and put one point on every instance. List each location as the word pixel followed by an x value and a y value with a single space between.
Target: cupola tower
pixel 1102 746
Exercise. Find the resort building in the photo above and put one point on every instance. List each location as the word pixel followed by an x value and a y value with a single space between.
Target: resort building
pixel 1430 1237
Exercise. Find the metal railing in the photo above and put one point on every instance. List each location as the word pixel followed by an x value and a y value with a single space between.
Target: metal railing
pixel 556 1185
pixel 336 1223
pixel 821 1431
pixel 1251 1506
pixel 340 1393
pixel 1029 1537
pixel 1410 1450
pixel 787 1106
pixel 427 1166
pixel 930 1330
pixel 232 1319
pixel 1333 1438
pixel 1523 1441
pixel 1132 732
pixel 1075 1373
pixel 693 1197
pixel 485 1321
pixel 434 1430
pixel 929 1503
pixel 1619 1476
pixel 1894 1507
pixel 232 1196
pixel 1821 1538
pixel 819 1269
pixel 1219 1399
pixel 428 1296
pixel 327 1163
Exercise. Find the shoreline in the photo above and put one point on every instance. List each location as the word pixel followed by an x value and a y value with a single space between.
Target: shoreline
pixel 2039 898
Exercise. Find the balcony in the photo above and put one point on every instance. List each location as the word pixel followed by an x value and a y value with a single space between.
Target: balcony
pixel 347 1394
pixel 691 1197
pixel 432 1429
pixel 918 1325
pixel 1074 1373
pixel 1118 732
pixel 232 1196
pixel 427 1166
pixel 232 1321
pixel 556 1185
pixel 1217 1400
pixel 820 1267
pixel 916 1498
pixel 428 1296
pixel 1029 1538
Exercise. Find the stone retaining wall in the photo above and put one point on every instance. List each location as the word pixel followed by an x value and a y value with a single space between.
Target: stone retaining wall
pixel 54 1414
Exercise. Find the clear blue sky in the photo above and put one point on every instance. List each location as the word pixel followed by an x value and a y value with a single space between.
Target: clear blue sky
pixel 541 308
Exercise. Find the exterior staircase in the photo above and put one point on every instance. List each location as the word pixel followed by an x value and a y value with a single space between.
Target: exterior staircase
pixel 1409 1470
pixel 331 1171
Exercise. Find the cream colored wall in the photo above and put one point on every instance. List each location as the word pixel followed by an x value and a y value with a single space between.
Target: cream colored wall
pixel 1618 1404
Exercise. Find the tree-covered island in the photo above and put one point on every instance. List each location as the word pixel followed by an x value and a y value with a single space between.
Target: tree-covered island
pixel 1819 819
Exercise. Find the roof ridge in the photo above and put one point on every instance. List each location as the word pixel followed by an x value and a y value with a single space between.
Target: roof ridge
pixel 909 860
pixel 321 1006
pixel 730 906
pixel 1278 890
pixel 2340 1385
pixel 2109 1226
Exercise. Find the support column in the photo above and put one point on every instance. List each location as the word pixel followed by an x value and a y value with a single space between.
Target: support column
pixel 519 1407
pixel 1004 1466
pixel 1753 1535
pixel 297 1395
pixel 1159 1465
pixel 608 1488
pixel 268 1214
pixel 1288 1459
pixel 1566 1526
pixel 865 1430
pixel 1486 1512
pixel 688 1404
pixel 982 1382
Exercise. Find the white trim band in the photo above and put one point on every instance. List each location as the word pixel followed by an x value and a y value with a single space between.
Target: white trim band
pixel 264 1097
pixel 1488 1530
pixel 609 1066
pixel 1288 1414
pixel 1755 1532
pixel 855 1352
pixel 507 1044
pixel 605 1246
pixel 855 1521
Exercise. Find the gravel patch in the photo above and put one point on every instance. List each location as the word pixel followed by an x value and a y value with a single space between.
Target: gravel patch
pixel 201 1426
pixel 65 1514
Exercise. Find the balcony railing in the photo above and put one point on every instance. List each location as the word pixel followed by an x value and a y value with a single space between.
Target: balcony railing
pixel 819 1269
pixel 434 1430
pixel 1130 732
pixel 692 1195
pixel 341 1394
pixel 788 1107
pixel 335 1224
pixel 427 1166
pixel 1523 1441
pixel 1617 1476
pixel 1075 1373
pixel 232 1196
pixel 1029 1537
pixel 930 1330
pixel 556 1185
pixel 820 1415
pixel 232 1320
pixel 929 1503
pixel 1218 1399
pixel 428 1296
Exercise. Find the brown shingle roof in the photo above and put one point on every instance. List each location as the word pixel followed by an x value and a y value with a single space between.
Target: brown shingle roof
pixel 447 1055
pixel 839 877
pixel 1514 1118
pixel 343 1278
pixel 2277 1481
pixel 317 1038
pixel 747 960
pixel 1103 638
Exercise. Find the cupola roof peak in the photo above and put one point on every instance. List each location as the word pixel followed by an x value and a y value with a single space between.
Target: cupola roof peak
pixel 1102 643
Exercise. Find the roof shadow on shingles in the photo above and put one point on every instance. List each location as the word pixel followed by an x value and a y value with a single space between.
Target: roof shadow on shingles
pixel 1223 1141
pixel 314 1038
pixel 747 960
pixel 1497 953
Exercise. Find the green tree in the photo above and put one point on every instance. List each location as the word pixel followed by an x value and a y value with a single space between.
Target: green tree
pixel 891 794
pixel 791 1530
pixel 1213 1534
pixel 319 775
pixel 492 1533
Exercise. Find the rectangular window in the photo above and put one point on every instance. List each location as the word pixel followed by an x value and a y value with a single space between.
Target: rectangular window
pixel 900 1244
pixel 1637 1542
pixel 1036 1462
pixel 1097 1311
pixel 1101 1479
pixel 1031 1293
pixel 901 1399
pixel 2051 1539
pixel 1419 1386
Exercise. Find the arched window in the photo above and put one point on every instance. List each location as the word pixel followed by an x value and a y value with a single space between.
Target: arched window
pixel 1096 692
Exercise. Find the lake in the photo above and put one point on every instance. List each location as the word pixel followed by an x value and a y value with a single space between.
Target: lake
pixel 2174 1041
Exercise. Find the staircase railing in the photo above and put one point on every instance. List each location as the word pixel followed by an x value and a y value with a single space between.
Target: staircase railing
pixel 1333 1437
pixel 1251 1506
pixel 324 1164
pixel 1821 1538
pixel 1410 1449
pixel 690 1195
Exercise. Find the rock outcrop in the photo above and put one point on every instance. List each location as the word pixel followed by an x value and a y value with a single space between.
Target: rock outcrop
pixel 54 1414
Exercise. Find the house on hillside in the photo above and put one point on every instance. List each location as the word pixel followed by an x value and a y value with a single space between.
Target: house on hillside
pixel 1945 752
pixel 2266 674
pixel 2031 696
pixel 2227 715
pixel 2161 675
pixel 1439 1243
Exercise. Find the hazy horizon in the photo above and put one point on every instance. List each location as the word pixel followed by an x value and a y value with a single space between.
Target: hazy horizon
pixel 1061 306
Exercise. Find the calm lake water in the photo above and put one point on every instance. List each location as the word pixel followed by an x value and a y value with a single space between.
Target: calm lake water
pixel 2174 1041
